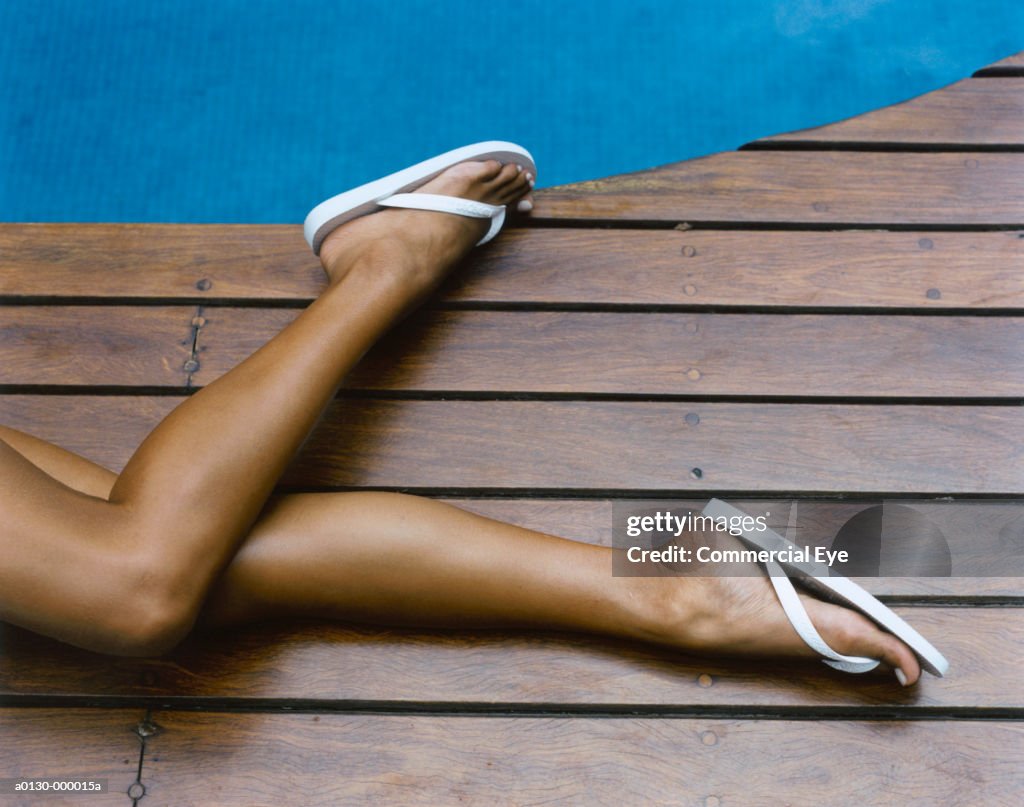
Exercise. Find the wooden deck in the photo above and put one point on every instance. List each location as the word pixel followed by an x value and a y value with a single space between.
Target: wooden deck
pixel 841 308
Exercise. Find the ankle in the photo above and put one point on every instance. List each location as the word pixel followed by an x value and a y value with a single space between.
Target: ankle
pixel 387 267
pixel 667 611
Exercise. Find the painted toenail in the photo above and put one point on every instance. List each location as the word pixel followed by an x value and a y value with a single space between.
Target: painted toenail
pixel 519 168
pixel 529 176
pixel 901 677
pixel 531 183
pixel 524 205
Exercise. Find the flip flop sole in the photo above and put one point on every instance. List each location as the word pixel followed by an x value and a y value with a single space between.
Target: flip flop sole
pixel 332 213
pixel 834 588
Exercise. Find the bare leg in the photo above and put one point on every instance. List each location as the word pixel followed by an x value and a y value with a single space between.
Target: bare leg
pixel 387 558
pixel 393 559
pixel 194 487
pixel 223 451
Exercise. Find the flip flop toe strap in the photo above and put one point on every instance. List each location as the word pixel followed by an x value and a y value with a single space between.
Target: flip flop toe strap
pixel 802 625
pixel 451 204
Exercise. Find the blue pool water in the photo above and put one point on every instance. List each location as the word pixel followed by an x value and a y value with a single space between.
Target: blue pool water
pixel 251 111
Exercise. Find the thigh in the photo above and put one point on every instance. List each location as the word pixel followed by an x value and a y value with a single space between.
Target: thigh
pixel 58 551
pixel 236 596
pixel 66 482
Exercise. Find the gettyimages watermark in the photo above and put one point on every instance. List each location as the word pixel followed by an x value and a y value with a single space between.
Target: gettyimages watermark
pixel 884 538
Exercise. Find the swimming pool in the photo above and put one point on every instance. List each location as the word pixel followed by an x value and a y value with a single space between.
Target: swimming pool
pixel 230 111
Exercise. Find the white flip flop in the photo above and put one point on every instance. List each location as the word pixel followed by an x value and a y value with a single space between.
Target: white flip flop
pixel 395 189
pixel 829 586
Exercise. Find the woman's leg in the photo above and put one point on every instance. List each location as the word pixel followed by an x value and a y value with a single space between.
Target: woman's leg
pixel 129 574
pixel 388 558
pixel 394 559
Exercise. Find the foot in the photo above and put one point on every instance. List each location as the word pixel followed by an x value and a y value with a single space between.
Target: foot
pixel 425 244
pixel 742 616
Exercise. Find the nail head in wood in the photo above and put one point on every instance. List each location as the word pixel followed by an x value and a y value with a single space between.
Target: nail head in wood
pixel 146 728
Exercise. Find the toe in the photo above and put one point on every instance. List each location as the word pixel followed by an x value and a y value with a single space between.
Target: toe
pixel 467 173
pixel 898 656
pixel 854 634
pixel 516 189
pixel 491 169
pixel 876 643
pixel 509 174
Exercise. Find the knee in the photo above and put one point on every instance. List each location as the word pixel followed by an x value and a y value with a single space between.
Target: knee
pixel 153 629
pixel 150 613
pixel 145 627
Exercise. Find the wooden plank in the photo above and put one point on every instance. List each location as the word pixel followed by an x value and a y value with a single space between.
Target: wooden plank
pixel 156 260
pixel 805 189
pixel 603 445
pixel 651 446
pixel 1010 66
pixel 237 759
pixel 971 112
pixel 850 269
pixel 309 662
pixel 663 354
pixel 553 351
pixel 1016 60
pixel 984 526
pixel 121 345
pixel 70 744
